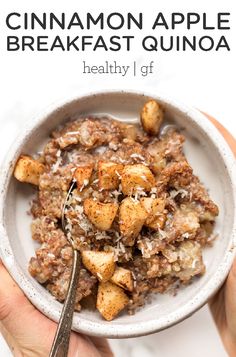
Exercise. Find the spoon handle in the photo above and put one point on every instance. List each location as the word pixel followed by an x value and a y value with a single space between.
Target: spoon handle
pixel 61 341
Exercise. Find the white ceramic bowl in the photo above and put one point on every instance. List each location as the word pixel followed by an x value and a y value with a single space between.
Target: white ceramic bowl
pixel 211 159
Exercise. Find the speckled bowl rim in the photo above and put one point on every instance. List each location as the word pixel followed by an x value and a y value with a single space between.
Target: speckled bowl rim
pixel 103 328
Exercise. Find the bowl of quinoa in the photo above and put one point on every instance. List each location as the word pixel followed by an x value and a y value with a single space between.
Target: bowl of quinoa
pixel 152 212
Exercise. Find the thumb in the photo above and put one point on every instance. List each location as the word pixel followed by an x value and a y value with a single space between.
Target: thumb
pixel 11 297
pixel 17 313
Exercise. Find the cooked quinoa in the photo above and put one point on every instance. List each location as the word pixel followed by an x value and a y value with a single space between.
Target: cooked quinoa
pixel 162 250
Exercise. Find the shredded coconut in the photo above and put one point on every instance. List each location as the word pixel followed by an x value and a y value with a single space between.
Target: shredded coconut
pixel 137 156
pixel 55 166
pixel 181 192
pixel 72 133
pixel 162 234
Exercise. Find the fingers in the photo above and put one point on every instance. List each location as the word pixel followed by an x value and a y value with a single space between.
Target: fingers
pixel 83 346
pixel 102 345
pixel 11 297
pixel 230 299
pixel 12 343
pixel 14 309
pixel 217 307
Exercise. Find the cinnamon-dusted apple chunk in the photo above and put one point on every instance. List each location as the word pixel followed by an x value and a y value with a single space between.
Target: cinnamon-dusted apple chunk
pixel 111 299
pixel 132 216
pixel 100 264
pixel 151 117
pixel 28 170
pixel 123 278
pixel 109 175
pixel 82 175
pixel 100 214
pixel 156 212
pixel 135 178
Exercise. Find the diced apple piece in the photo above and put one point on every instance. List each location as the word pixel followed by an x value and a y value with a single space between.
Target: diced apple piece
pixel 132 216
pixel 186 221
pixel 109 175
pixel 155 208
pixel 100 214
pixel 82 175
pixel 111 299
pixel 123 278
pixel 136 177
pixel 28 170
pixel 100 264
pixel 151 117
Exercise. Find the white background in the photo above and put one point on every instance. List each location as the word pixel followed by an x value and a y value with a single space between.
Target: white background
pixel 31 81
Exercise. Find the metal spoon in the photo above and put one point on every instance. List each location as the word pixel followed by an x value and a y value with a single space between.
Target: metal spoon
pixel 61 340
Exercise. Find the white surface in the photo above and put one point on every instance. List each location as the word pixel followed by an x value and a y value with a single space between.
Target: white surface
pixel 29 82
pixel 195 337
